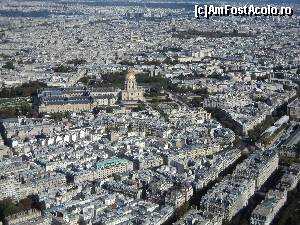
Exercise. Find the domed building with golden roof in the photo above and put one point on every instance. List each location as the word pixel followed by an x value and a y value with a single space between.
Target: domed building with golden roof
pixel 132 92
pixel 130 74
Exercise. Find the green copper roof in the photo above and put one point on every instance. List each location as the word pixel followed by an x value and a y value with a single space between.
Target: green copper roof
pixel 110 162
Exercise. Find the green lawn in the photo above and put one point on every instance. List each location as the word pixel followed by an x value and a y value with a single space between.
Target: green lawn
pixel 14 102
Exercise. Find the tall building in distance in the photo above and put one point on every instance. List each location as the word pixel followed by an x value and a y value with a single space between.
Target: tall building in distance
pixel 132 92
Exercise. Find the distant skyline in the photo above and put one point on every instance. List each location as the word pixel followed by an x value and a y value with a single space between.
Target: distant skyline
pixel 176 1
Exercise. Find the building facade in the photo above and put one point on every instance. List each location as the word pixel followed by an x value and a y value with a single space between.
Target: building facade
pixel 265 212
pixel 132 92
pixel 75 99
pixel 293 110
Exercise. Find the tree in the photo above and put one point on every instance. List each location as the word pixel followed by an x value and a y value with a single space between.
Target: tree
pixel 202 91
pixel 7 208
pixel 140 107
pixel 154 92
pixel 126 62
pixel 26 109
pixel 169 61
pixel 57 116
pixel 197 101
pixel 63 69
pixel 76 62
pixel 109 110
pixel 182 210
pixel 96 110
pixel 256 132
pixel 25 90
pixel 85 80
pixel 9 65
pixel 25 203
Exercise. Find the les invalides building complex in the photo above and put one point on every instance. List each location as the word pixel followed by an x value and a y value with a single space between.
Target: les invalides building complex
pixel 78 99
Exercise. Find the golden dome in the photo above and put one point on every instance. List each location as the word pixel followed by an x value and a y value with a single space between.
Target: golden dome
pixel 130 74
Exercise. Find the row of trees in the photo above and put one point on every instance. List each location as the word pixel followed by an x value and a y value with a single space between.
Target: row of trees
pixel 25 90
pixel 24 108
pixel 63 69
pixel 197 101
pixel 96 110
pixel 77 62
pixel 115 79
pixel 9 207
pixel 9 65
pixel 267 139
pixel 71 66
pixel 256 132
pixel 168 61
pixel 182 90
pixel 209 34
